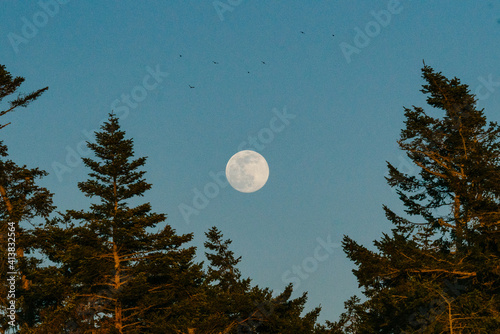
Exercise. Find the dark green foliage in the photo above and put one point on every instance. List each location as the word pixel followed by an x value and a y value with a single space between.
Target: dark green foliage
pixel 232 305
pixel 440 272
pixel 349 322
pixel 22 202
pixel 122 277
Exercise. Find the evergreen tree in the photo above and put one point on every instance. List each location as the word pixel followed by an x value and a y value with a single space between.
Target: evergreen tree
pixel 22 200
pixel 439 272
pixel 349 320
pixel 122 278
pixel 232 305
pixel 9 86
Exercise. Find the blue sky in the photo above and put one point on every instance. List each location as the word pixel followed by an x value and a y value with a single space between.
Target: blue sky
pixel 339 100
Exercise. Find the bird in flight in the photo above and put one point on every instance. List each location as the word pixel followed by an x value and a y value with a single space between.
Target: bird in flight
pixel 263 62
pixel 191 86
pixel 215 62
pixel 302 32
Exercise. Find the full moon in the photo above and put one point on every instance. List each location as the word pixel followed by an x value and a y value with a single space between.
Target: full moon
pixel 247 171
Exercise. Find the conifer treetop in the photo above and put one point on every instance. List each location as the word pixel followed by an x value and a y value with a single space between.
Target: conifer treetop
pixel 8 86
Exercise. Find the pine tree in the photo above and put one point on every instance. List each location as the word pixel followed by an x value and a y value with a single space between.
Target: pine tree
pixel 349 320
pixel 122 277
pixel 232 305
pixel 8 86
pixel 439 272
pixel 22 201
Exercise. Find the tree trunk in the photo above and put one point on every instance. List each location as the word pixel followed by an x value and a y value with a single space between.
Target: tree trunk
pixel 25 284
pixel 117 281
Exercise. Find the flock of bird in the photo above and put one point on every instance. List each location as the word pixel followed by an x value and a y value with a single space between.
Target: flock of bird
pixel 263 62
pixel 217 63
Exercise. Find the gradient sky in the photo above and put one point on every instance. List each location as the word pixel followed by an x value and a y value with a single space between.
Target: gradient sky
pixel 326 158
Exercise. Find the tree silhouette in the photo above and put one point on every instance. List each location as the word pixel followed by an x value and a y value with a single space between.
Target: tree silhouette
pixel 438 270
pixel 22 202
pixel 232 305
pixel 122 277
